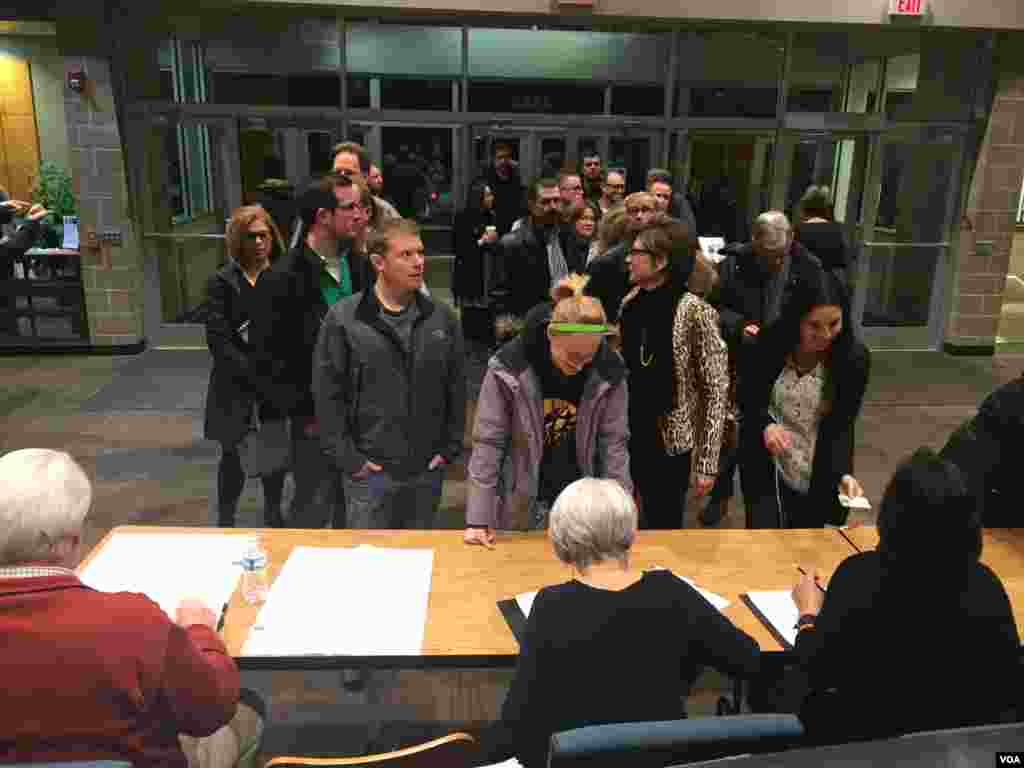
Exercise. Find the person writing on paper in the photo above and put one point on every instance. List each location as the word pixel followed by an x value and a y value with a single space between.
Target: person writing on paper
pixel 916 635
pixel 90 675
pixel 801 396
pixel 614 644
pixel 552 409
pixel 247 374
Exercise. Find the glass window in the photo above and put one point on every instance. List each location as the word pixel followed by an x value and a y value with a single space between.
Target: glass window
pixel 860 90
pixel 730 179
pixel 639 100
pixel 318 146
pixel 816 72
pixel 191 192
pixel 418 173
pixel 552 98
pixel 308 90
pixel 383 49
pixel 568 55
pixel 900 84
pixel 408 93
pixel 359 92
pixel 729 73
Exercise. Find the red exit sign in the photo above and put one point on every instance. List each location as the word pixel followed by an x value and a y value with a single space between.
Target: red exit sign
pixel 906 7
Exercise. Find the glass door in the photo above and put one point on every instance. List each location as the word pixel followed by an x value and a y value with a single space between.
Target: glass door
pixel 906 259
pixel 188 174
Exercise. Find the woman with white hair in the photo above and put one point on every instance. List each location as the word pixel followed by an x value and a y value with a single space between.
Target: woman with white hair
pixel 595 649
pixel 92 675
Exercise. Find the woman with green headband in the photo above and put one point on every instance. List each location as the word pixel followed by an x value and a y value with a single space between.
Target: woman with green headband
pixel 552 410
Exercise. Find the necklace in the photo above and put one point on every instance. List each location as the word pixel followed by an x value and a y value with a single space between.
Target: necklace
pixel 645 359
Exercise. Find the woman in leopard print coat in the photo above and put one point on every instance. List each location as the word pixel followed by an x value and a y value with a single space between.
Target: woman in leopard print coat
pixel 679 376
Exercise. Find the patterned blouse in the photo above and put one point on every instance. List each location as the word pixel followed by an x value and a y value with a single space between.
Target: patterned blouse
pixel 796 405
pixel 702 383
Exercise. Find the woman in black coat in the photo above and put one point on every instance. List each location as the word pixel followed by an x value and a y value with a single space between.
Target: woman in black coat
pixel 916 635
pixel 801 391
pixel 476 238
pixel 247 371
pixel 820 234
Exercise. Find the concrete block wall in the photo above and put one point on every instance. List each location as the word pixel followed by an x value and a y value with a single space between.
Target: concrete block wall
pixel 111 273
pixel 985 252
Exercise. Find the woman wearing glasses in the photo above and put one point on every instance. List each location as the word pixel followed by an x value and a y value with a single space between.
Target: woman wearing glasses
pixel 678 374
pixel 245 375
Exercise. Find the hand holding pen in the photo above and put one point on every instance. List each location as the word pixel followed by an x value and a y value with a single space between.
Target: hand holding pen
pixel 808 594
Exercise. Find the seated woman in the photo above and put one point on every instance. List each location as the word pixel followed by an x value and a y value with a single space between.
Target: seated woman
pixel 552 409
pixel 614 644
pixel 918 634
pixel 801 391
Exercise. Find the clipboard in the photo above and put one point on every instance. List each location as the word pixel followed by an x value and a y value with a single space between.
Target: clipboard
pixel 768 624
pixel 514 617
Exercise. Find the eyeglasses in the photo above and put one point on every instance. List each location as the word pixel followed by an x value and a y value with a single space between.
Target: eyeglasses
pixel 637 211
pixel 257 235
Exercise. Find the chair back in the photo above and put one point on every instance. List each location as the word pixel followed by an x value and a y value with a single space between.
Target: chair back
pixel 457 750
pixel 663 742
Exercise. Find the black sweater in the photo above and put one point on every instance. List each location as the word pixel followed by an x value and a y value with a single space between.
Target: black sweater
pixel 908 657
pixel 592 656
pixel 826 241
pixel 646 322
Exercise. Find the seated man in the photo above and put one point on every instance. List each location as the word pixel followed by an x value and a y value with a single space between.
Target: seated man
pixel 90 675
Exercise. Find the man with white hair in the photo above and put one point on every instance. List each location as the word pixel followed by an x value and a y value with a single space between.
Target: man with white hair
pixel 755 281
pixel 90 675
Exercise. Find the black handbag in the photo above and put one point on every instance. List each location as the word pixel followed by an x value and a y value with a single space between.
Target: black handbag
pixel 266 447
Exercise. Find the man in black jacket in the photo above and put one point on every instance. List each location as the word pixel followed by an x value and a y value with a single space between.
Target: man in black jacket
pixel 987 449
pixel 390 389
pixel 536 255
pixel 13 248
pixel 323 268
pixel 755 281
pixel 507 185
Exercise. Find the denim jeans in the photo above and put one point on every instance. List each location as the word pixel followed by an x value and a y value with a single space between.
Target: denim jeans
pixel 381 501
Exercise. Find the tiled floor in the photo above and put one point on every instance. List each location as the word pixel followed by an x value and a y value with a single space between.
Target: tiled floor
pixel 136 426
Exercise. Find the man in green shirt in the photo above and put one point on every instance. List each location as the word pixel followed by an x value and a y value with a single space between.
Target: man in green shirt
pixel 324 267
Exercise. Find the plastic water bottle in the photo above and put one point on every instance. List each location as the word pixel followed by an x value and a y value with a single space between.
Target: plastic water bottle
pixel 255 576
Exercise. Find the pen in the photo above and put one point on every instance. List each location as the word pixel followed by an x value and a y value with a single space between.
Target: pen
pixel 223 615
pixel 805 573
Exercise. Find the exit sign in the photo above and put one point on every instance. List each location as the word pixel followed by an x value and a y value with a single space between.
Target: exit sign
pixel 906 7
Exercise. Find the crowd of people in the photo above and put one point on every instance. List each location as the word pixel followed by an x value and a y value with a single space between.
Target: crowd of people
pixel 635 374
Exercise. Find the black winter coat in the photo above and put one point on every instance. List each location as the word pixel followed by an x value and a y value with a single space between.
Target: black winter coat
pixel 243 372
pixel 525 277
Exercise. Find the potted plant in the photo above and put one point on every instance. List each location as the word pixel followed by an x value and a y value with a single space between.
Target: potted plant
pixel 53 190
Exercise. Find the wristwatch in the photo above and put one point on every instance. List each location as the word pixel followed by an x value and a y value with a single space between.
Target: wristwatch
pixel 805 621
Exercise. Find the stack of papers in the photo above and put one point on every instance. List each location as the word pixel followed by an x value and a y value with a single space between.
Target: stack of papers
pixel 346 601
pixel 169 567
pixel 525 600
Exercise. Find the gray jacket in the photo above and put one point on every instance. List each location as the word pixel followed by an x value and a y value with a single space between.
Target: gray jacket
pixel 508 437
pixel 374 402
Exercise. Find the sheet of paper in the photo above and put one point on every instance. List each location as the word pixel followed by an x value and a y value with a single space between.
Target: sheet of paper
pixel 778 608
pixel 716 600
pixel 346 601
pixel 70 233
pixel 169 567
pixel 510 763
pixel 525 602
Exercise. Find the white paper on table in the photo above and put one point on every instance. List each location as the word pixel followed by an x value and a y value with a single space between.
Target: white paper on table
pixel 346 601
pixel 711 246
pixel 525 602
pixel 778 608
pixel 510 763
pixel 716 600
pixel 71 241
pixel 169 567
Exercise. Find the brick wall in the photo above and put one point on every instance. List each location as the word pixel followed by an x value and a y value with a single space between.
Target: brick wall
pixel 991 209
pixel 112 274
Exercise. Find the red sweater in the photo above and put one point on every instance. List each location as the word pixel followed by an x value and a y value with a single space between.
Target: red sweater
pixel 92 675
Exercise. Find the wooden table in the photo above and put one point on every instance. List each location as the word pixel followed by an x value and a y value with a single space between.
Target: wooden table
pixel 464 626
pixel 1002 550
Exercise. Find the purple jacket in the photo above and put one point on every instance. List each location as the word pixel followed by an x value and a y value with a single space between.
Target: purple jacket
pixel 508 436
